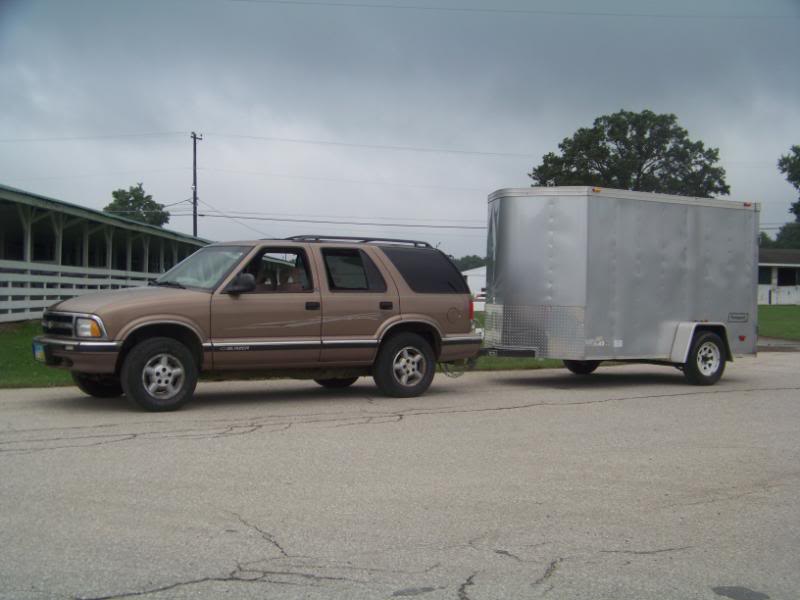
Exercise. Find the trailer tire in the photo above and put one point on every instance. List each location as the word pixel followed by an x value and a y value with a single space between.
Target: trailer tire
pixel 159 374
pixel 405 366
pixel 705 363
pixel 582 367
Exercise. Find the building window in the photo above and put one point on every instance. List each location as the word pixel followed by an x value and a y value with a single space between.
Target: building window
pixel 787 276
pixel 764 275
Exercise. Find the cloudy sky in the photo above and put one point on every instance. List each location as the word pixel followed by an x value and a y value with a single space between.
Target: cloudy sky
pixel 409 113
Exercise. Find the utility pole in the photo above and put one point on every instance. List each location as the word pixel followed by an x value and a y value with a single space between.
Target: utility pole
pixel 194 137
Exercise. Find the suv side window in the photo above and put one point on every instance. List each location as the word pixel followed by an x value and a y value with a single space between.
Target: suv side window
pixel 352 270
pixel 427 270
pixel 280 270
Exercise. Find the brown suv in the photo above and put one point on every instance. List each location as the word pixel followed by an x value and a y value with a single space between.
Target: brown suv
pixel 332 309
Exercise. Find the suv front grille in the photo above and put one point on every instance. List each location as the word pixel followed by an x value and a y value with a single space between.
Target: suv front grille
pixel 58 324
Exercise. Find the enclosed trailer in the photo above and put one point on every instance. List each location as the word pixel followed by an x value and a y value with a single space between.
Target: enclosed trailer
pixel 586 275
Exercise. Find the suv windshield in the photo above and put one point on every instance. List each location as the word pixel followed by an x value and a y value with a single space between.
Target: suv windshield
pixel 203 269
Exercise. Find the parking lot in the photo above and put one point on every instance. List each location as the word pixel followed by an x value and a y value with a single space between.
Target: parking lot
pixel 527 484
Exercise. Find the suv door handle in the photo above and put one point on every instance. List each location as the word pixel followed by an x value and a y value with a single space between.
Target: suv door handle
pixel 386 305
pixel 312 305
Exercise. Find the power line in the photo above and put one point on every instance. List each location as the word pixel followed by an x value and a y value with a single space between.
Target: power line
pixel 352 223
pixel 391 147
pixel 246 213
pixel 510 11
pixel 342 180
pixel 109 136
pixel 107 174
pixel 233 218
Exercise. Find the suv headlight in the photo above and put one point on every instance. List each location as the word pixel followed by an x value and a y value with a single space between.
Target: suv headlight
pixel 87 328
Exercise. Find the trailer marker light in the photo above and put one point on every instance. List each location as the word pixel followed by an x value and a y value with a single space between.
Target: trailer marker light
pixel 742 338
pixel 748 204
pixel 597 190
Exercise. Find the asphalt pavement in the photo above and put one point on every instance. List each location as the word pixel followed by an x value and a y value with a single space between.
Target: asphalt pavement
pixel 537 484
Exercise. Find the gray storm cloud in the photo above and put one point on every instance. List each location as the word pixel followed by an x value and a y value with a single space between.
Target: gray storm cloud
pixel 493 82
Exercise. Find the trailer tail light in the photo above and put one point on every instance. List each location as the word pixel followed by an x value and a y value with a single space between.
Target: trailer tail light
pixel 471 309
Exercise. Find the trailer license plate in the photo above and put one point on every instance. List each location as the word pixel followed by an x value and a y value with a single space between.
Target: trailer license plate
pixel 38 352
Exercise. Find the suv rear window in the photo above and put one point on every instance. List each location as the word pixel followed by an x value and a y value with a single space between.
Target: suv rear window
pixel 426 270
pixel 352 270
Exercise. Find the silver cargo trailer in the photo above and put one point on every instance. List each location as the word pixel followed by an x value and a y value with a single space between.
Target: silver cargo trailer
pixel 587 274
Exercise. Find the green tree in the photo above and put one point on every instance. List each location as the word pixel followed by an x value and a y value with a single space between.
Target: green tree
pixel 764 241
pixel 788 236
pixel 468 262
pixel 635 151
pixel 789 165
pixel 134 204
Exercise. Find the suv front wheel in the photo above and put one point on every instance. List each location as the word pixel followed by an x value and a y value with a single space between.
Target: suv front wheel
pixel 159 374
pixel 405 366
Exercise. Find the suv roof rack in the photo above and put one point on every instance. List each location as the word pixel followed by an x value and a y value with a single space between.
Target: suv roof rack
pixel 358 239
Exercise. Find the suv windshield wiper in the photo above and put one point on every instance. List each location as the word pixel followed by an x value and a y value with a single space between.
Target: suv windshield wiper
pixel 167 284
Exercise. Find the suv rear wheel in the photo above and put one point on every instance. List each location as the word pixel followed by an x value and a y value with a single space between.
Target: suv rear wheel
pixel 159 374
pixel 99 386
pixel 405 366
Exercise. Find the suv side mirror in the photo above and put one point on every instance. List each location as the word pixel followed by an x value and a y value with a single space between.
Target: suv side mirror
pixel 243 282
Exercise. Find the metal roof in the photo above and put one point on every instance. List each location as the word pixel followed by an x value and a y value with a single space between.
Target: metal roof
pixel 31 198
pixel 778 256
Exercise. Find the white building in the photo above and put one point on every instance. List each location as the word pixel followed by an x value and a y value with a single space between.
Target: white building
pixel 476 280
pixel 778 276
pixel 51 250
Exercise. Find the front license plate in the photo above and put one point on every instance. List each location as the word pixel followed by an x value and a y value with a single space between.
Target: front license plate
pixel 38 352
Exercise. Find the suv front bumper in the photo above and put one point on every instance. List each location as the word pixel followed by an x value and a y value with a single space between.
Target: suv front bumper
pixel 84 356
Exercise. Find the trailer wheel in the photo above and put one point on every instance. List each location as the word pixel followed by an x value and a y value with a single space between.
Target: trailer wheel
pixel 582 367
pixel 706 361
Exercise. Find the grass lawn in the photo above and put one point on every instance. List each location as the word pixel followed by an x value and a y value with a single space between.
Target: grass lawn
pixel 17 367
pixel 779 321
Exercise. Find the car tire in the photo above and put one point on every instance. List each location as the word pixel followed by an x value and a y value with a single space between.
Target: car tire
pixel 405 366
pixel 99 386
pixel 705 363
pixel 159 374
pixel 337 384
pixel 582 367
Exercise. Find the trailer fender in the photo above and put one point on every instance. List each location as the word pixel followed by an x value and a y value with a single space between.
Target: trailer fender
pixel 684 334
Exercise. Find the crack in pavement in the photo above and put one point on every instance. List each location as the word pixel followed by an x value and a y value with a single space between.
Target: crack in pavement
pixel 647 552
pixel 264 534
pixel 549 571
pixel 238 575
pixel 278 423
pixel 502 552
pixel 462 589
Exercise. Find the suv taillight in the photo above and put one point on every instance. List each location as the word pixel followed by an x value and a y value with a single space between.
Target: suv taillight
pixel 471 309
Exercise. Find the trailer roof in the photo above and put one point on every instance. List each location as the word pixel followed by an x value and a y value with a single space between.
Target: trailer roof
pixel 589 191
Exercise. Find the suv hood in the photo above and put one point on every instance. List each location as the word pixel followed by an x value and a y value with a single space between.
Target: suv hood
pixel 96 303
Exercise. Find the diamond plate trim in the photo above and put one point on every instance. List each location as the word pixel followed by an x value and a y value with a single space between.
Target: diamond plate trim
pixel 553 331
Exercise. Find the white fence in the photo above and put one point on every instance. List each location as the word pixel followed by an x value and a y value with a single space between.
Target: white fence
pixel 785 294
pixel 27 288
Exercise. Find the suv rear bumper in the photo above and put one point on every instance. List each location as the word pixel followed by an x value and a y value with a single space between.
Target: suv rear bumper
pixel 84 356
pixel 457 347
